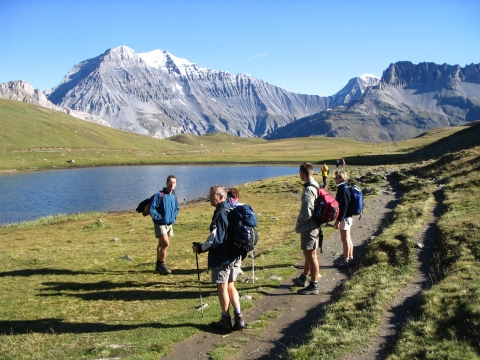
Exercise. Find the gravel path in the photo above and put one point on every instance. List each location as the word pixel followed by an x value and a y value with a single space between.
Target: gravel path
pixel 298 314
pixel 406 304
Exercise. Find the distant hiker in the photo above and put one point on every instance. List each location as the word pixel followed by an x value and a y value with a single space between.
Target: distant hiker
pixel 233 196
pixel 343 164
pixel 224 264
pixel 324 174
pixel 338 164
pixel 164 210
pixel 309 232
pixel 345 219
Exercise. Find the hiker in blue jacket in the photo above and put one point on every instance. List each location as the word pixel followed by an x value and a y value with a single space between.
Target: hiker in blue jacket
pixel 164 210
pixel 345 219
pixel 224 264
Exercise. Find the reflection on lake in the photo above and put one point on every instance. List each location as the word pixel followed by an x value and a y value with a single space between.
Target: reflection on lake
pixel 28 196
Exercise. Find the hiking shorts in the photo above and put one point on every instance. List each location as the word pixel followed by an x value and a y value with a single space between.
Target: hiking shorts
pixel 227 273
pixel 309 239
pixel 346 223
pixel 161 230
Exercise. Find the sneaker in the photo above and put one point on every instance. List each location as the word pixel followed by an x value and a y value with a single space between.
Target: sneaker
pixel 309 290
pixel 351 263
pixel 299 281
pixel 239 322
pixel 163 269
pixel 225 323
pixel 344 263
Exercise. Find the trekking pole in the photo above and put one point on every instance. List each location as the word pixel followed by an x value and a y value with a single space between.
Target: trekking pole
pixel 253 266
pixel 199 289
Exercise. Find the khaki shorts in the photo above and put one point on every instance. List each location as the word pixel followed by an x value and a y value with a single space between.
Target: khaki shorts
pixel 346 223
pixel 227 273
pixel 161 230
pixel 309 240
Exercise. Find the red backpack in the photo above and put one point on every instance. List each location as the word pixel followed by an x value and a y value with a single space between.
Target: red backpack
pixel 326 207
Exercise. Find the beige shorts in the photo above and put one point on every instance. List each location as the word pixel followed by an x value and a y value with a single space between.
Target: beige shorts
pixel 346 223
pixel 227 273
pixel 309 240
pixel 161 230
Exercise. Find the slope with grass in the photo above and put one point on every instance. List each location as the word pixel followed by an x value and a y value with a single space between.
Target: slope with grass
pixel 33 137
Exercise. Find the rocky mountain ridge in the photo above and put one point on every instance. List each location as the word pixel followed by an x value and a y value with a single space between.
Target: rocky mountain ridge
pixel 159 94
pixel 408 100
pixel 22 91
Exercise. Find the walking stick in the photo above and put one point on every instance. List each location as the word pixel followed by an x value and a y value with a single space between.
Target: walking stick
pixel 253 266
pixel 199 289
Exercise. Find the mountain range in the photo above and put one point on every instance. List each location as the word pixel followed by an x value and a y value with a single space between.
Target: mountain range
pixel 161 95
pixel 408 100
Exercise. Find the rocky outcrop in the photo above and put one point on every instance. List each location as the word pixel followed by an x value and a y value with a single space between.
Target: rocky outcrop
pixel 405 73
pixel 22 91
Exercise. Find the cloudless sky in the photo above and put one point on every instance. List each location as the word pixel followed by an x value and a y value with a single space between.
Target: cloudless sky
pixel 304 46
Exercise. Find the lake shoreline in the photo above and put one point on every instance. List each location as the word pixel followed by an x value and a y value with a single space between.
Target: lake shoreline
pixel 266 163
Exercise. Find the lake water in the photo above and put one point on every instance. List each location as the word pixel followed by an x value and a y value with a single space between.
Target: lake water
pixel 29 196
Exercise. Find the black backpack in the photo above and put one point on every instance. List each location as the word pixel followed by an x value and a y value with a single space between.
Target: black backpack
pixel 144 206
pixel 242 234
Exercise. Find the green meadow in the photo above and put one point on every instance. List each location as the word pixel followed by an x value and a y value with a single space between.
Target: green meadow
pixel 82 286
pixel 35 138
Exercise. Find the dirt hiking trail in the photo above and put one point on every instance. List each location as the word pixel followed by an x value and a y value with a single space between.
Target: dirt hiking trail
pixel 299 313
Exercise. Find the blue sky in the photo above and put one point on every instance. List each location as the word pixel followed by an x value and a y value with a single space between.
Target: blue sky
pixel 304 46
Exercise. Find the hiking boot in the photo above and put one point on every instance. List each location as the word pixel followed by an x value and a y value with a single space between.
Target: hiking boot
pixel 225 323
pixel 309 290
pixel 299 281
pixel 239 322
pixel 163 269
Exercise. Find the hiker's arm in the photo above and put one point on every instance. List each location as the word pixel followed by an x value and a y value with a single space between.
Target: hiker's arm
pixel 177 208
pixel 216 236
pixel 306 210
pixel 343 200
pixel 153 207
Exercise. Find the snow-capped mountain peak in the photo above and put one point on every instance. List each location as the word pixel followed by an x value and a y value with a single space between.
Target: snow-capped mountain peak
pixel 354 89
pixel 164 61
pixel 369 78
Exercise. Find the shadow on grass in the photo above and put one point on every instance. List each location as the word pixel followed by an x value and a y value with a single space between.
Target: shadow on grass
pixel 45 271
pixel 108 285
pixel 110 291
pixel 58 326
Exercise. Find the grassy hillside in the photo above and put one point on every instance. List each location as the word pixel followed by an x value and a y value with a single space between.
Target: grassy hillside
pixel 33 137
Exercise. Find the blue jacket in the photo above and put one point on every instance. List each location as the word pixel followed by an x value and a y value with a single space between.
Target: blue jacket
pixel 164 208
pixel 217 242
pixel 343 197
